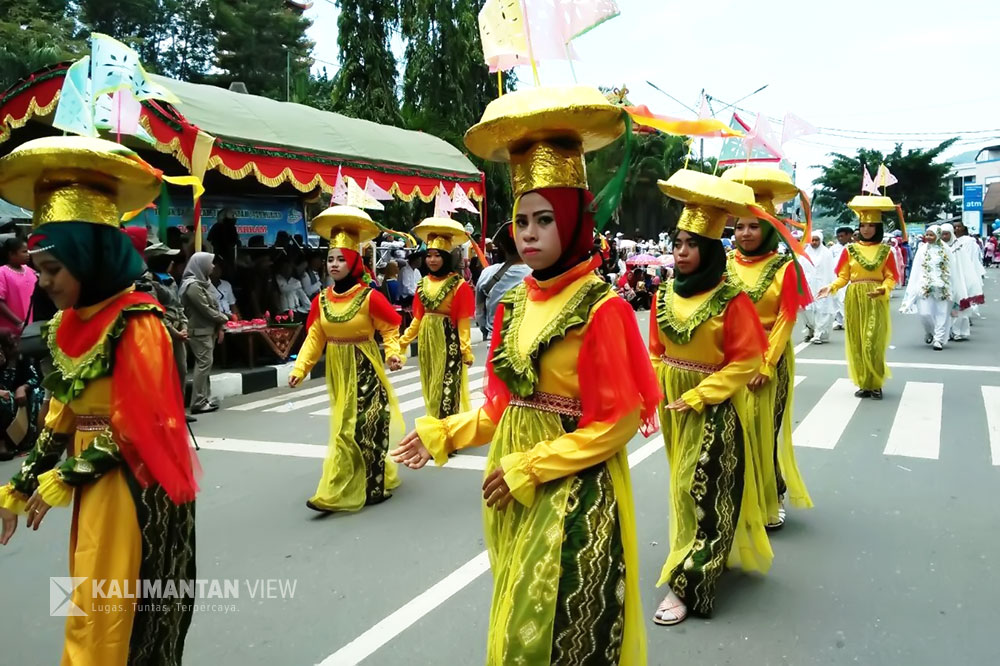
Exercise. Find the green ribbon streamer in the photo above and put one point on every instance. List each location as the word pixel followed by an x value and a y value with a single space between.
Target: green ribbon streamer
pixel 164 213
pixel 610 198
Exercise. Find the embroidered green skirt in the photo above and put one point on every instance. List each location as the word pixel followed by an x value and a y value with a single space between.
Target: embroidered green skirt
pixel 443 376
pixel 868 328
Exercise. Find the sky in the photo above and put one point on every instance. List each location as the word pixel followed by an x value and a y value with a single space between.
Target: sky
pixel 865 67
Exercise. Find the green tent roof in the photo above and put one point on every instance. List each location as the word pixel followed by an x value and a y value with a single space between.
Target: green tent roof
pixel 264 121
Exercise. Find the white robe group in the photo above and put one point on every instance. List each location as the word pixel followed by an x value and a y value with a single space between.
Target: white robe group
pixel 968 275
pixel 933 291
pixel 818 315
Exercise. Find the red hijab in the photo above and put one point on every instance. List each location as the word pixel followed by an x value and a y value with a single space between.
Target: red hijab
pixel 575 223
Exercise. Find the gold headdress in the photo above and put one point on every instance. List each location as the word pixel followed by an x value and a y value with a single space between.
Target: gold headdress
pixel 772 187
pixel 441 233
pixel 544 133
pixel 870 207
pixel 346 227
pixel 709 201
pixel 77 179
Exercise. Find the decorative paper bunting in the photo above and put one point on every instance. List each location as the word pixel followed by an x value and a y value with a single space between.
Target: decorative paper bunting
pixel 734 151
pixel 443 206
pixel 884 177
pixel 460 201
pixel 115 66
pixel 339 190
pixel 358 198
pixel 375 192
pixel 762 136
pixel 793 127
pixel 867 184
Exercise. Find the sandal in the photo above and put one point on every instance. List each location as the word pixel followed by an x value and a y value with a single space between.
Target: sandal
pixel 670 611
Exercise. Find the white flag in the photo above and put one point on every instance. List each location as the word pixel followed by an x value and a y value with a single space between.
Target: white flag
pixel 460 201
pixel 867 184
pixel 884 177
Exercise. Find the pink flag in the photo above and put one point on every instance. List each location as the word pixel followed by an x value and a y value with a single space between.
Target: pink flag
pixel 867 184
pixel 884 177
pixel 794 127
pixel 460 201
pixel 762 136
pixel 375 192
pixel 703 110
pixel 443 207
pixel 339 190
pixel 125 110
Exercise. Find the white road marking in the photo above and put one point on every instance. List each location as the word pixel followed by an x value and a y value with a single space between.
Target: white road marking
pixel 991 398
pixel 798 379
pixel 916 429
pixel 396 623
pixel 799 348
pixel 299 404
pixel 918 366
pixel 250 406
pixel 409 405
pixel 826 422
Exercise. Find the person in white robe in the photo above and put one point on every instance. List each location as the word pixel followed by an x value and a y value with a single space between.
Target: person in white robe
pixel 818 315
pixel 844 236
pixel 968 281
pixel 931 291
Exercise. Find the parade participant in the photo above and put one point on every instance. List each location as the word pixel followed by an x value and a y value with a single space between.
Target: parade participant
pixel 967 272
pixel 568 385
pixel 364 412
pixel 116 408
pixel 778 289
pixel 845 236
pixel 819 272
pixel 442 312
pixel 931 292
pixel 706 343
pixel 869 272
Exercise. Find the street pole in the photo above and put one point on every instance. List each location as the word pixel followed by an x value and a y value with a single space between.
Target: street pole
pixel 288 75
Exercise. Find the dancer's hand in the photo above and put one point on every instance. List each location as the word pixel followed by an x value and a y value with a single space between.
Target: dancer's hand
pixel 293 381
pixel 496 492
pixel 9 519
pixel 758 381
pixel 469 361
pixel 875 293
pixel 411 452
pixel 395 363
pixel 678 405
pixel 823 293
pixel 36 510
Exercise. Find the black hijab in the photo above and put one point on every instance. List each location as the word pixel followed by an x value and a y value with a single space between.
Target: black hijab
pixel 710 269
pixel 445 264
pixel 877 238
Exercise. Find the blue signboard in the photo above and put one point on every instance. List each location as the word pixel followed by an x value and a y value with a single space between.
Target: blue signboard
pixel 254 216
pixel 973 198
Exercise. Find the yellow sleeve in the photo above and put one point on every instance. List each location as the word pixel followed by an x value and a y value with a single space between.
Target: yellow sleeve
pixel 311 350
pixel 460 431
pixel 722 385
pixel 465 340
pixel 411 333
pixel 565 455
pixel 390 338
pixel 843 277
pixel 777 340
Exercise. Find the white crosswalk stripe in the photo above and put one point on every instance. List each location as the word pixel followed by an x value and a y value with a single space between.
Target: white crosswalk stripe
pixel 915 433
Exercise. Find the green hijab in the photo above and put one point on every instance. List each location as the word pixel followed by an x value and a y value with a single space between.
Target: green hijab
pixel 101 257
pixel 768 242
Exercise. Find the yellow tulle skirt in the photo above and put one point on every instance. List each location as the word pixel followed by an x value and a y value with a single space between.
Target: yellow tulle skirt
pixel 769 427
pixel 715 512
pixel 443 377
pixel 869 329
pixel 566 568
pixel 364 420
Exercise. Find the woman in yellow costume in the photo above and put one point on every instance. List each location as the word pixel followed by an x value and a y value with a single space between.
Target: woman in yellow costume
pixel 568 385
pixel 869 272
pixel 777 290
pixel 116 410
pixel 442 312
pixel 364 413
pixel 706 343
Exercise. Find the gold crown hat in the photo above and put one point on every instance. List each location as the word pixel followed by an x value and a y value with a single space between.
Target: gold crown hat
pixel 708 200
pixel 77 179
pixel 441 233
pixel 544 132
pixel 770 186
pixel 870 207
pixel 346 227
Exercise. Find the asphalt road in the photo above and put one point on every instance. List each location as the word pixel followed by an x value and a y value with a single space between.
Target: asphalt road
pixel 895 565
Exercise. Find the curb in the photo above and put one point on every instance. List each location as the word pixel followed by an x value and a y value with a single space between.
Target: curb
pixel 267 377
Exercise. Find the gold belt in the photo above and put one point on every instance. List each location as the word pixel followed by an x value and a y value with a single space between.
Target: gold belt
pixel 866 281
pixel 683 364
pixel 89 423
pixel 348 341
pixel 550 402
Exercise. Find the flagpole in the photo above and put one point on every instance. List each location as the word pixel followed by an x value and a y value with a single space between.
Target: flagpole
pixel 531 50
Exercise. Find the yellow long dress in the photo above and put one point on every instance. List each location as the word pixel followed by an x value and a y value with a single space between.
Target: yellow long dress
pixel 120 531
pixel 705 348
pixel 863 268
pixel 442 311
pixel 767 281
pixel 364 413
pixel 564 554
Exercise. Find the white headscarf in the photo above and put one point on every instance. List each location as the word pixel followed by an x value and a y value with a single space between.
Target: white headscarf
pixel 951 230
pixel 936 230
pixel 818 232
pixel 199 269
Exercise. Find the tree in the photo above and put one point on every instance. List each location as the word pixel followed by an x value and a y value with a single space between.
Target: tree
pixel 446 84
pixel 365 85
pixel 34 34
pixel 922 190
pixel 140 26
pixel 261 44
pixel 187 47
